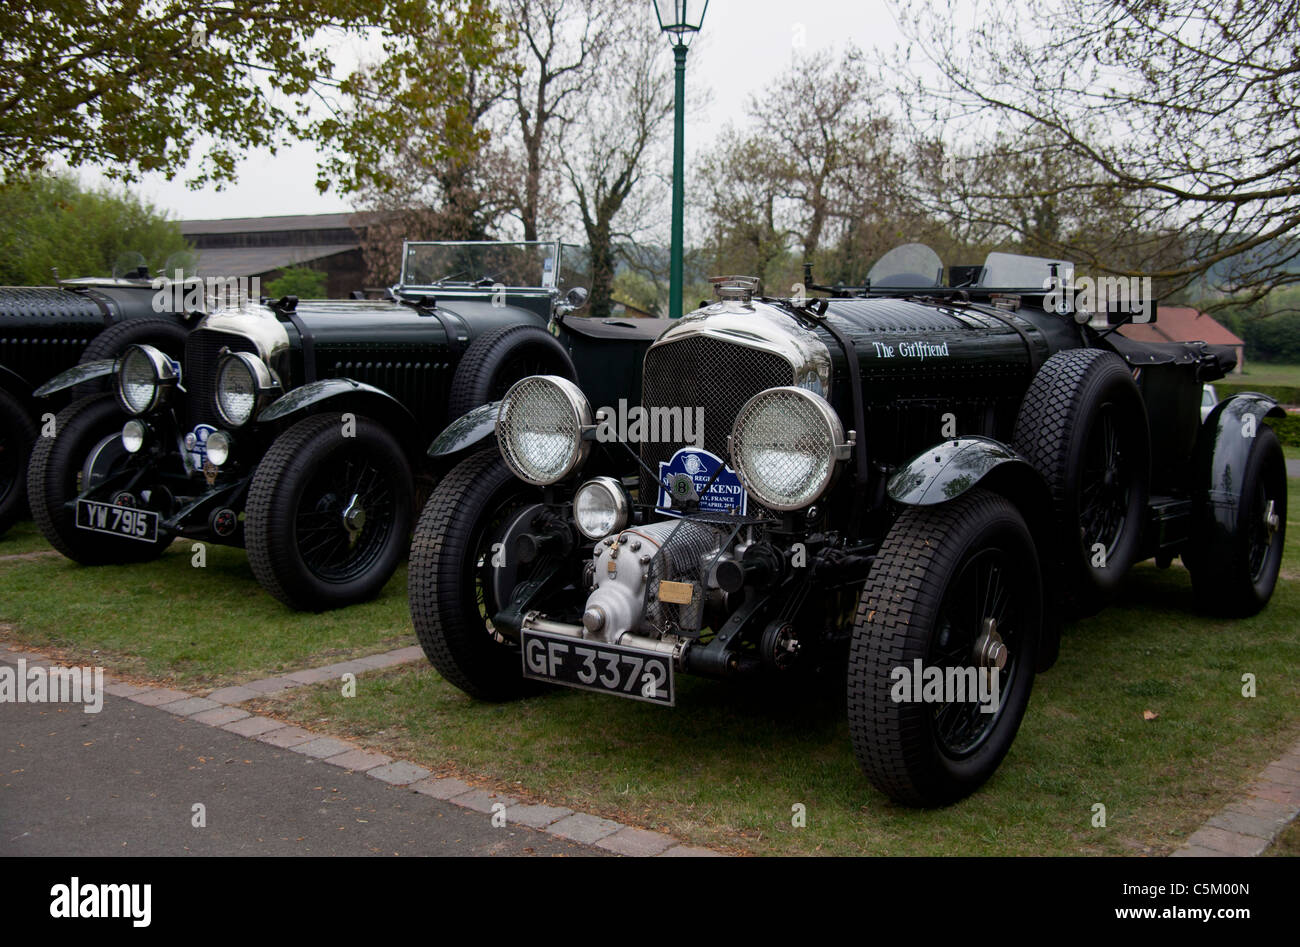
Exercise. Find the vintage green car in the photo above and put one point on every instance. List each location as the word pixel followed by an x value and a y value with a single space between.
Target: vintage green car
pixel 298 429
pixel 908 482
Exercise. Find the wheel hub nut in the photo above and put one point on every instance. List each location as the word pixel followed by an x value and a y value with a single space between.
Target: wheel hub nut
pixel 990 650
pixel 354 517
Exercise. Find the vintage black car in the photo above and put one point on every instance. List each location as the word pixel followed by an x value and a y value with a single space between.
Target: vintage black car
pixel 47 329
pixel 298 428
pixel 910 479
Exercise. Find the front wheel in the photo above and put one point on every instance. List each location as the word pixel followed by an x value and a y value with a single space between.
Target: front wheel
pixel 86 448
pixel 457 560
pixel 329 513
pixel 944 648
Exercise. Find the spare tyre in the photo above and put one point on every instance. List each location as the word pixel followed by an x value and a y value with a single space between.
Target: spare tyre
pixel 499 358
pixel 1083 426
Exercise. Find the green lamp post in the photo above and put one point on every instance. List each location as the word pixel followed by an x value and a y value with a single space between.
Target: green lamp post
pixel 681 20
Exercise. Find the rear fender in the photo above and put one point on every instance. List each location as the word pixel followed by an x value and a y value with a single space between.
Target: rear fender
pixel 1223 447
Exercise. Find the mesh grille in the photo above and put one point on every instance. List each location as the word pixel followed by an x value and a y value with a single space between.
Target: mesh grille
pixel 539 431
pixel 200 376
pixel 783 443
pixel 688 548
pixel 710 374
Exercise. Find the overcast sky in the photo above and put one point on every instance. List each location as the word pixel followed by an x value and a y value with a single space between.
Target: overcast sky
pixel 743 45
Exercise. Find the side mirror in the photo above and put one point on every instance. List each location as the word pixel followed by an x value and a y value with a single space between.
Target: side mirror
pixel 573 300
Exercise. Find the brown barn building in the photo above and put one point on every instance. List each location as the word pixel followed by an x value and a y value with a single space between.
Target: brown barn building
pixel 1185 324
pixel 265 246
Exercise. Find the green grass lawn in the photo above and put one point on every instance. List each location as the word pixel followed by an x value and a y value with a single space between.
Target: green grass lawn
pixel 1288 843
pixel 726 766
pixel 198 628
pixel 1265 373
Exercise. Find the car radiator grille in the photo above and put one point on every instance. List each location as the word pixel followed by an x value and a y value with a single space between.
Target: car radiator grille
pixel 202 352
pixel 703 372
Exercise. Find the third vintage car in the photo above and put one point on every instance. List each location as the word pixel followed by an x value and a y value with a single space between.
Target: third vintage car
pixel 298 429
pixel 911 480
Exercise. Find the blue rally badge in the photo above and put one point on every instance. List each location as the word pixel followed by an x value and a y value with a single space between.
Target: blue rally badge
pixel 725 494
pixel 196 444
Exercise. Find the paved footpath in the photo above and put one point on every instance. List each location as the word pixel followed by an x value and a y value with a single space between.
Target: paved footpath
pixel 126 781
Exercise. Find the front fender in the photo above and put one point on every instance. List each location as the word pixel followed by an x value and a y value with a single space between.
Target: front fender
pixel 344 394
pixel 75 375
pixel 468 430
pixel 947 470
pixel 1222 449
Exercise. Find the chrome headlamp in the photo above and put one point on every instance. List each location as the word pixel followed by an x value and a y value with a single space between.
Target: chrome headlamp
pixel 541 428
pixel 243 384
pixel 786 445
pixel 601 507
pixel 144 375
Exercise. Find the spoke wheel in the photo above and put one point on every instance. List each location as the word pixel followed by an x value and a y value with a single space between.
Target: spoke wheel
pixel 85 430
pixel 329 516
pixel 954 595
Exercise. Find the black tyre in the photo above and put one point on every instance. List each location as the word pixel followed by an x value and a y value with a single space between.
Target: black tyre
pixel 165 333
pixel 87 437
pixel 1083 425
pixel 1233 574
pixel 328 517
pixel 452 580
pixel 949 584
pixel 499 358
pixel 17 432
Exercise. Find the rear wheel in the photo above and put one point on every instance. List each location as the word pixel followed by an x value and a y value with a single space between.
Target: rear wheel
pixel 86 448
pixel 1234 575
pixel 1083 425
pixel 329 513
pixel 17 432
pixel 955 592
pixel 454 586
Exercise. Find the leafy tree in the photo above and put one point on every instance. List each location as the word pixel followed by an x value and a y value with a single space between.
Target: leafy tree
pixel 134 84
pixel 300 281
pixel 1186 115
pixel 50 222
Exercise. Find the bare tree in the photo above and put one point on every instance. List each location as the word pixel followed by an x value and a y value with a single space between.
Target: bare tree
pixel 1176 124
pixel 560 45
pixel 626 106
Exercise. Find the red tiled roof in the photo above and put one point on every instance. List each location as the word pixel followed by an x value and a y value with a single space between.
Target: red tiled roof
pixel 1181 324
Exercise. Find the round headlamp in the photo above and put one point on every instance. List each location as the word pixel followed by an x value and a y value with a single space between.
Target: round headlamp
pixel 133 435
pixel 243 381
pixel 143 373
pixel 785 445
pixel 600 507
pixel 540 428
pixel 217 447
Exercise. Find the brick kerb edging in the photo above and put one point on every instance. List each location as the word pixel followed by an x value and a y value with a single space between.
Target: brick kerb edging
pixel 218 710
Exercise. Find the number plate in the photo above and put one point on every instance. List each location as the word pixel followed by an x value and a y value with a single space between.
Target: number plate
pixel 117 520
pixel 596 666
